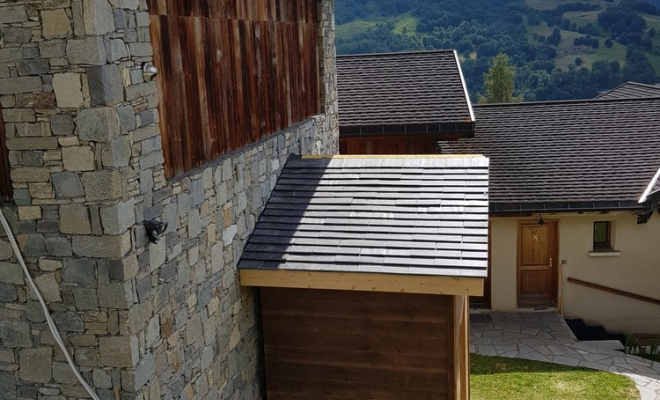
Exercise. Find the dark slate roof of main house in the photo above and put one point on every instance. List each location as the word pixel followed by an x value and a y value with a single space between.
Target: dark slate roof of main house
pixel 400 93
pixel 568 156
pixel 394 215
pixel 631 90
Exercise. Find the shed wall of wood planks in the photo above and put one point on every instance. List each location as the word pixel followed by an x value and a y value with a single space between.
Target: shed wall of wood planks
pixel 331 344
pixel 231 73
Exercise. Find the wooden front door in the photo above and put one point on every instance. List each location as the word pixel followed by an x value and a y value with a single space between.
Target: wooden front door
pixel 537 264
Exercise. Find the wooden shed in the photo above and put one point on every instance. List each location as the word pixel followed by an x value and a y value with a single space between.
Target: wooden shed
pixel 365 264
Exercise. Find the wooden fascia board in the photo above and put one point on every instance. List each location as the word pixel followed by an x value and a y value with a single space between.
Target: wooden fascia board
pixel 444 285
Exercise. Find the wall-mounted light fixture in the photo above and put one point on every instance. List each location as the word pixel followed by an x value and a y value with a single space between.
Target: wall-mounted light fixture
pixel 154 228
pixel 149 71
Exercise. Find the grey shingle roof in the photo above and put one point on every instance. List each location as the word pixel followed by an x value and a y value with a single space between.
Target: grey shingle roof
pixel 415 216
pixel 631 90
pixel 592 154
pixel 402 92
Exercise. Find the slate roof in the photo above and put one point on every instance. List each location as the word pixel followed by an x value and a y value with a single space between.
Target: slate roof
pixel 394 215
pixel 402 93
pixel 631 90
pixel 567 156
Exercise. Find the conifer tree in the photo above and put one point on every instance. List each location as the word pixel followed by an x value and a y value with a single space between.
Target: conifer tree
pixel 498 82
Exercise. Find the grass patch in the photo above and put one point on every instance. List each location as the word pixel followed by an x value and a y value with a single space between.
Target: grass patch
pixel 498 378
pixel 550 4
pixel 358 26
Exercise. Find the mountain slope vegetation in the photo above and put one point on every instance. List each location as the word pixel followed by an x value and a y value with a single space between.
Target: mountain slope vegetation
pixel 562 49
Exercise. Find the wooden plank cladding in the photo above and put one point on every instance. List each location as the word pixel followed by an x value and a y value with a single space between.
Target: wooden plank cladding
pixel 328 344
pixel 231 73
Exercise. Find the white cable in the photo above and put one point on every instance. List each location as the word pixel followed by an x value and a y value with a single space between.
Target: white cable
pixel 51 323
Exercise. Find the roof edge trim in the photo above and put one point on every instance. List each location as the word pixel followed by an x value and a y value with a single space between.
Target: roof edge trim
pixel 366 282
pixel 650 187
pixel 407 156
pixel 467 95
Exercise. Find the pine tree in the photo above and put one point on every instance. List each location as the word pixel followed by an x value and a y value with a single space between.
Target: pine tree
pixel 498 82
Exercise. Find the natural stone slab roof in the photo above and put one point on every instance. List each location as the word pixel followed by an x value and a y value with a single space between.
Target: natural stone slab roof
pixel 402 92
pixel 393 215
pixel 567 155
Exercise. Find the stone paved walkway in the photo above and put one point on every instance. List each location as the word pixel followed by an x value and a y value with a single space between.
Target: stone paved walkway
pixel 546 337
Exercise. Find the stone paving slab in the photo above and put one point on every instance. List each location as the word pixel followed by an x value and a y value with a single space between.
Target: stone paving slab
pixel 546 337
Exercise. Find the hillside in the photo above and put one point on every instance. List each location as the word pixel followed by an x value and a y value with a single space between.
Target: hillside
pixel 562 49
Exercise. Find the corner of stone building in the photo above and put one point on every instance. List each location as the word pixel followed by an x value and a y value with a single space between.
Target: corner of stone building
pixel 166 320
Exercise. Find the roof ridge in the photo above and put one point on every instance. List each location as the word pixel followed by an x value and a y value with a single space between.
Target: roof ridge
pixel 396 53
pixel 573 101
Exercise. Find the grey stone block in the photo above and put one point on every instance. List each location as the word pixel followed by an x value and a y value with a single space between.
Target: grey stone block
pixel 6 251
pixel 103 185
pixel 68 321
pixel 144 371
pixel 30 52
pixel 8 292
pixel 12 13
pixel 98 17
pixel 16 35
pixel 62 373
pixel 32 67
pixel 35 364
pixel 74 219
pixel 67 185
pixel 58 247
pixel 7 386
pixel 61 124
pixel 77 158
pixel 68 90
pixel 102 247
pixel 116 295
pixel 52 48
pixel 119 351
pixel 25 84
pixel 89 51
pixel 118 50
pixel 55 24
pixel 117 218
pixel 33 245
pixel 11 273
pixel 123 270
pixel 116 153
pixel 98 124
pixel 105 85
pixel 121 20
pixel 81 271
pixel 15 333
pixel 85 299
pixel 49 288
pixel 140 49
pixel 102 379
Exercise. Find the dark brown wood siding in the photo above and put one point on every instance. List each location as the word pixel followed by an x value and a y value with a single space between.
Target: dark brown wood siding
pixel 231 73
pixel 325 344
pixel 5 180
pixel 422 144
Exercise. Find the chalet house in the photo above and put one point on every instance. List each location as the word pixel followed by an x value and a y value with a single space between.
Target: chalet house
pixel 401 103
pixel 135 201
pixel 574 189
pixel 573 185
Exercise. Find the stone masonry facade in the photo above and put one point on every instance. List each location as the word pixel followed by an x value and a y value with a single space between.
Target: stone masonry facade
pixel 142 321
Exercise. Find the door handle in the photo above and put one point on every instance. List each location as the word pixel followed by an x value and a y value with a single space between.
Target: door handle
pixel 550 262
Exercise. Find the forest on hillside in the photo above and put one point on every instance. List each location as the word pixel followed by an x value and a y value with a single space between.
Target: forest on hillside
pixel 561 49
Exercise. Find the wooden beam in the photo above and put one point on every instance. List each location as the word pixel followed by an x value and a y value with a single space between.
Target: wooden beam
pixel 369 282
pixel 395 156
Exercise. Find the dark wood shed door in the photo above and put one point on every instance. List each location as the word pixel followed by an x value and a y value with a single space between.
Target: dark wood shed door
pixel 327 344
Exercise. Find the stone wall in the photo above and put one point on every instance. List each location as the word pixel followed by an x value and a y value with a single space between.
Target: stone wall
pixel 167 320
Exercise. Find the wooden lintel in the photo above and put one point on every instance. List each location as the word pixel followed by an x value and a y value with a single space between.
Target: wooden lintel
pixel 396 283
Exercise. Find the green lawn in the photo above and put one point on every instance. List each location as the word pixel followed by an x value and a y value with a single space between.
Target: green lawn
pixel 550 4
pixel 346 31
pixel 498 378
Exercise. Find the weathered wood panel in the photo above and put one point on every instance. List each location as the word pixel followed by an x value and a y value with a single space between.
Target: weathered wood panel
pixel 329 344
pixel 419 144
pixel 231 73
pixel 5 180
